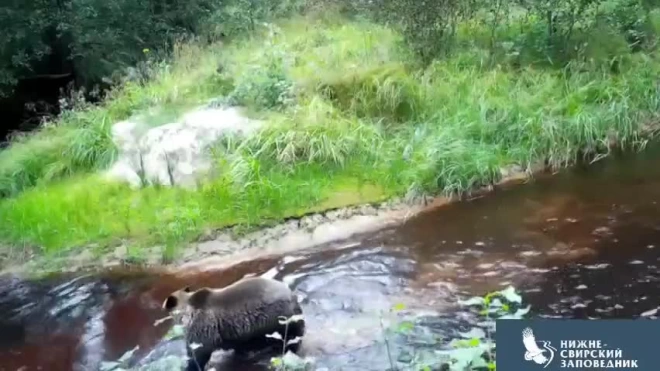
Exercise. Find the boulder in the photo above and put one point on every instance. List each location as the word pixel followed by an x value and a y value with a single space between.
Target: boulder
pixel 175 154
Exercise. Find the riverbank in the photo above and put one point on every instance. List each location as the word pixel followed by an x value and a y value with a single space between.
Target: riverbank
pixel 352 118
pixel 222 248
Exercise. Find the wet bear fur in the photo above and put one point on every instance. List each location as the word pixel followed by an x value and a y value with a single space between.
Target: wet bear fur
pixel 236 317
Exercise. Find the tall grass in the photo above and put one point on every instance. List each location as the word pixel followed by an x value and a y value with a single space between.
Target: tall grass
pixel 353 117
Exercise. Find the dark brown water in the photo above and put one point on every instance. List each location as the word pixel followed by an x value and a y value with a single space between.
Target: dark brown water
pixel 582 244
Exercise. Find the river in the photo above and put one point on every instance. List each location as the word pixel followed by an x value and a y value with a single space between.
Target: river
pixel 584 243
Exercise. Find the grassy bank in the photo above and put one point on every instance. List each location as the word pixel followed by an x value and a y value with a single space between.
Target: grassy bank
pixel 354 117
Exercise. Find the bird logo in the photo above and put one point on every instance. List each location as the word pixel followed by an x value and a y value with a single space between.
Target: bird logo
pixel 534 353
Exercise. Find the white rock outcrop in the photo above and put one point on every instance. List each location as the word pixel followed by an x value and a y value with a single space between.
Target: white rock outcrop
pixel 175 154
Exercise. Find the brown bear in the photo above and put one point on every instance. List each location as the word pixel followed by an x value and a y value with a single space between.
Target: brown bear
pixel 236 317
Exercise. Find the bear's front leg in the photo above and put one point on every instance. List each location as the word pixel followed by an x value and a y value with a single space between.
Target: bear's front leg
pixel 198 358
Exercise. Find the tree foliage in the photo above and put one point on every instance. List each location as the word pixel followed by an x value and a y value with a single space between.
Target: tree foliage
pixel 91 39
pixel 553 31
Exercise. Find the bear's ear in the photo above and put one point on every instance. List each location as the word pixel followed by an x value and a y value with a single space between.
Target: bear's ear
pixel 199 298
pixel 171 302
pixel 187 289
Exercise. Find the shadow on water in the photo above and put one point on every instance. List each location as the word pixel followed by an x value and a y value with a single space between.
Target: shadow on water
pixel 581 244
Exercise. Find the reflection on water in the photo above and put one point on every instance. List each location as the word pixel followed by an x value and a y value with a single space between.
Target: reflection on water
pixel 579 245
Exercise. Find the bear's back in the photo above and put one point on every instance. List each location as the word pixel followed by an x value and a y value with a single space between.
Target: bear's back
pixel 250 292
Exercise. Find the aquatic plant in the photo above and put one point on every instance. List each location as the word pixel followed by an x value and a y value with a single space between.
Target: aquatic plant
pixel 472 350
pixel 289 361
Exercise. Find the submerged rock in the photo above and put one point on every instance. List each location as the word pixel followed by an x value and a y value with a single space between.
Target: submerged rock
pixel 174 154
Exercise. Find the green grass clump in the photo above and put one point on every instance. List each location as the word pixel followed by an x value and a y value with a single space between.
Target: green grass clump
pixel 81 210
pixel 352 116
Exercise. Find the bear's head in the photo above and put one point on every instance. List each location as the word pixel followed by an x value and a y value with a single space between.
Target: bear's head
pixel 177 298
pixel 188 299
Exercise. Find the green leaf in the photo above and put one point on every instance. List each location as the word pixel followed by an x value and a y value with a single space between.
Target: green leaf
pixel 489 297
pixel 175 332
pixel 474 332
pixel 109 366
pixel 521 312
pixel 463 358
pixel 478 362
pixel 124 358
pixel 406 326
pixel 510 295
pixel 496 303
pixel 477 300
